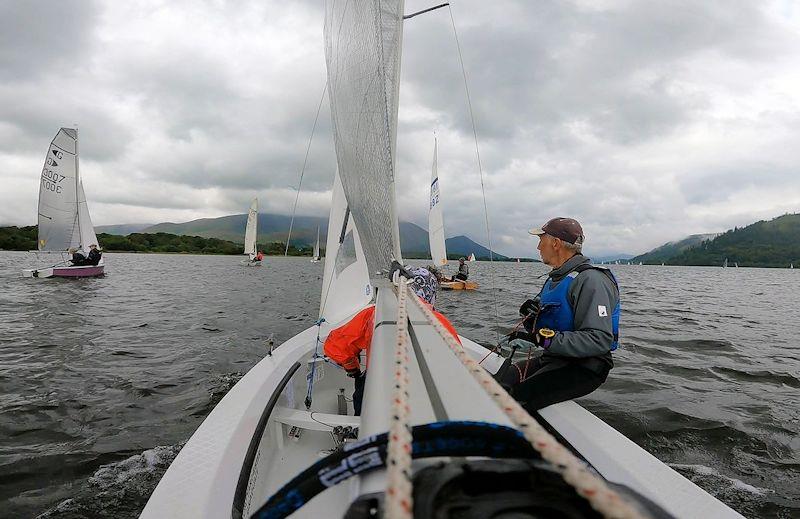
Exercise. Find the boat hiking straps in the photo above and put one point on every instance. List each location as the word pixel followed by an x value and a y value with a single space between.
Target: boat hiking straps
pixel 439 439
pixel 575 472
pixel 399 499
pixel 310 389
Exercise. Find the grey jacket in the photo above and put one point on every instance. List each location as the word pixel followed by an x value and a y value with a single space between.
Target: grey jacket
pixel 592 296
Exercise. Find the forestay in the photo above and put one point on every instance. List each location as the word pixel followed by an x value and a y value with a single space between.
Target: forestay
pixel 435 216
pixel 362 51
pixel 251 231
pixel 346 288
pixel 64 220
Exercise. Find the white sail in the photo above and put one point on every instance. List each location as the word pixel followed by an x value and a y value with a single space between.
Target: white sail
pixel 346 287
pixel 436 217
pixel 362 52
pixel 58 194
pixel 251 231
pixel 316 246
pixel 471 257
pixel 86 233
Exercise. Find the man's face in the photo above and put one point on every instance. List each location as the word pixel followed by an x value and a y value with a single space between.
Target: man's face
pixel 546 249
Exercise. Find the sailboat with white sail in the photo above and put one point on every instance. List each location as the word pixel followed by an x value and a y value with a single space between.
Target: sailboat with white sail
pixel 254 257
pixel 282 440
pixel 471 257
pixel 64 222
pixel 315 256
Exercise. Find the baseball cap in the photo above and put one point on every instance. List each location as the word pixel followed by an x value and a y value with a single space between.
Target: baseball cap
pixel 565 229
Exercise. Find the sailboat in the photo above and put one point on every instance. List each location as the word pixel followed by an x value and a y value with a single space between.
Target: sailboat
pixel 283 439
pixel 251 236
pixel 725 263
pixel 436 228
pixel 471 257
pixel 315 257
pixel 64 221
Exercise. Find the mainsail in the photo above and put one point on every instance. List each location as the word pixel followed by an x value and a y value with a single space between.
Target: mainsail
pixel 251 231
pixel 316 246
pixel 435 216
pixel 64 220
pixel 362 51
pixel 345 283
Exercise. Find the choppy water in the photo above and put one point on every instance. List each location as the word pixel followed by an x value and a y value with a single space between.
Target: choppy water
pixel 102 380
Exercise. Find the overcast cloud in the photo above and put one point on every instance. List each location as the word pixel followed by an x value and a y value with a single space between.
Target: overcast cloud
pixel 647 121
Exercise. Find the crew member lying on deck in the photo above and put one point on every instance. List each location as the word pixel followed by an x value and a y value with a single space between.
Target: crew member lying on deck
pixel 344 344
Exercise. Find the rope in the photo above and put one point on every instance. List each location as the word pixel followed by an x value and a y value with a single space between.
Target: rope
pixel 574 471
pixel 310 389
pixel 480 172
pixel 303 170
pixel 399 501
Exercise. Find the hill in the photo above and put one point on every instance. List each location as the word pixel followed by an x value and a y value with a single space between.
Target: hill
pixel 773 243
pixel 671 249
pixel 274 228
pixel 122 229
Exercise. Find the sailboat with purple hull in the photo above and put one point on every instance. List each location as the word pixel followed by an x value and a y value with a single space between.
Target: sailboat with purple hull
pixel 64 221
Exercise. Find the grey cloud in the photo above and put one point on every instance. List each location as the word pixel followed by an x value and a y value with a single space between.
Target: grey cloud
pixel 40 38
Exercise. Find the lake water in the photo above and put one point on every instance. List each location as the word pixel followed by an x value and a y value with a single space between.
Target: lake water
pixel 102 380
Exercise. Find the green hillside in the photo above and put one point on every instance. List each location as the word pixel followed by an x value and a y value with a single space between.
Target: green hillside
pixel 773 243
pixel 671 249
pixel 18 238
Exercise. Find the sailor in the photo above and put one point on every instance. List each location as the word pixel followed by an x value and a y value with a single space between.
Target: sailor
pixel 345 344
pixel 94 255
pixel 259 256
pixel 78 258
pixel 574 319
pixel 463 271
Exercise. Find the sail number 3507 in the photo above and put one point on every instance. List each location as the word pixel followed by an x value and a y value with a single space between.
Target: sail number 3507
pixel 52 180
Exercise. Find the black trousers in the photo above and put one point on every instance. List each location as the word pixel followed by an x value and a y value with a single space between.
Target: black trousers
pixel 459 277
pixel 541 385
pixel 358 394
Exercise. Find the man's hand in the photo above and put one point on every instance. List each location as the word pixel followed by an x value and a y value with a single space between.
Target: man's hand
pixel 531 306
pixel 543 336
pixel 354 373
pixel 517 340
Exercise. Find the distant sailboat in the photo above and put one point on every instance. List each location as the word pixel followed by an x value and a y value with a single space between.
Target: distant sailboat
pixel 791 265
pixel 315 257
pixel 471 257
pixel 435 216
pixel 736 264
pixel 640 263
pixel 725 263
pixel 64 221
pixel 250 235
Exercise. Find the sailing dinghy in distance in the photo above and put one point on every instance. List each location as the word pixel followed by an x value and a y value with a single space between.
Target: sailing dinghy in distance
pixel 315 257
pixel 471 257
pixel 251 235
pixel 64 221
pixel 281 443
pixel 436 228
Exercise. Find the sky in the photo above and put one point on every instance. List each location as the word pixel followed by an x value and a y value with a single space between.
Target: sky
pixel 645 121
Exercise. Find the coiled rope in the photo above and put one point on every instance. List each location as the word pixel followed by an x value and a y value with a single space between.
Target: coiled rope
pixel 399 501
pixel 574 471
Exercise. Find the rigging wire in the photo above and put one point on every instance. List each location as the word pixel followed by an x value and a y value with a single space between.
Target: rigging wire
pixel 303 170
pixel 480 171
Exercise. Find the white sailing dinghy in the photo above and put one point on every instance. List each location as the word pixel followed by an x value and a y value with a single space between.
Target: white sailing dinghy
pixel 251 236
pixel 436 228
pixel 64 221
pixel 281 441
pixel 315 257
pixel 471 257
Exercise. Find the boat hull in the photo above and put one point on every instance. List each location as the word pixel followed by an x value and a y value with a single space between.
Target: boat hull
pixel 85 271
pixel 458 285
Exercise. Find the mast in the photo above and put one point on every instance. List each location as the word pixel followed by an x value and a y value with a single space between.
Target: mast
pixel 81 245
